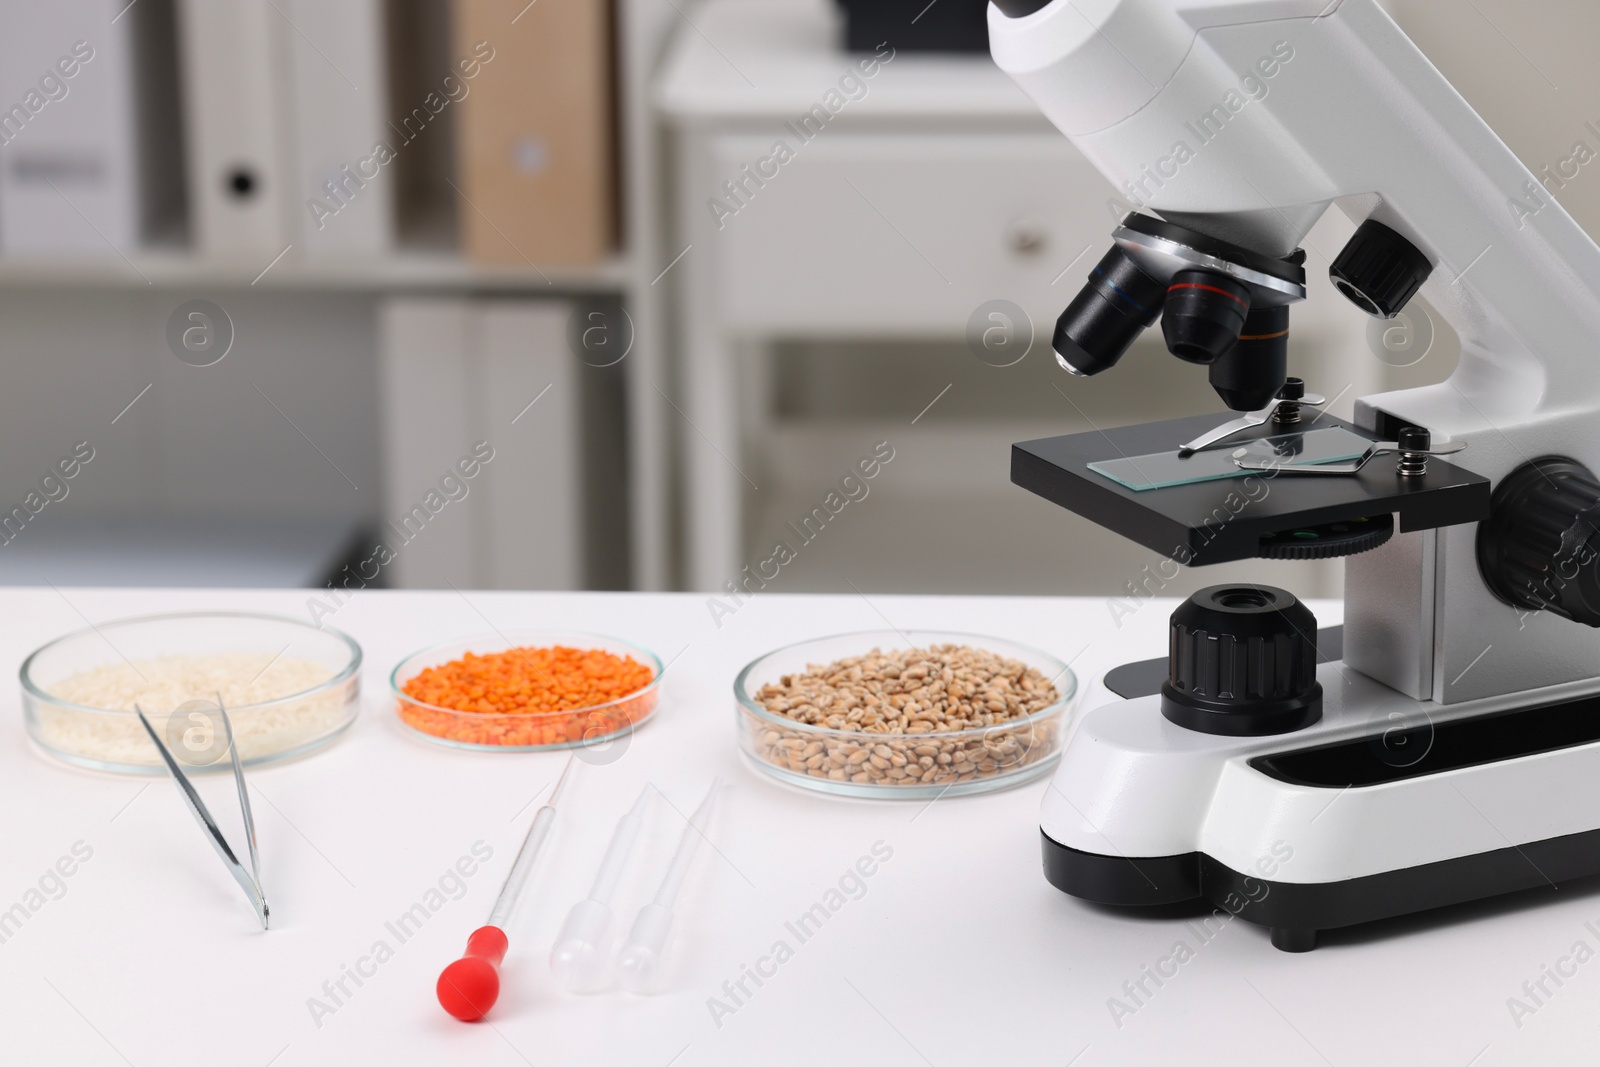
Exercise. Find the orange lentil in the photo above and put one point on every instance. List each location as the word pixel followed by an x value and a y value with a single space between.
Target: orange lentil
pixel 526 695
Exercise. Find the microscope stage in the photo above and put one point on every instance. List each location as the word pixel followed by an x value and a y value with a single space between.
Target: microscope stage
pixel 1227 519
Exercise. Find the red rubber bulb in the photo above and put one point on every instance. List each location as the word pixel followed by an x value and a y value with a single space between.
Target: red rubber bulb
pixel 469 987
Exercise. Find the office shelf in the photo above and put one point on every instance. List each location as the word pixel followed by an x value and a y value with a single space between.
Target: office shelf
pixel 404 271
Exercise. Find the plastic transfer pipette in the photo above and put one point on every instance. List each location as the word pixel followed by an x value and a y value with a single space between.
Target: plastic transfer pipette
pixel 579 956
pixel 469 987
pixel 642 953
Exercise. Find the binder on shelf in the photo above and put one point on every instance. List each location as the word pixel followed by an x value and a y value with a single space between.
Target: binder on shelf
pixel 533 413
pixel 483 452
pixel 87 124
pixel 429 408
pixel 342 192
pixel 234 126
pixel 536 148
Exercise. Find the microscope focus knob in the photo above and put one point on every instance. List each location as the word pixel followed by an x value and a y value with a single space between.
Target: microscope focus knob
pixel 1379 270
pixel 1540 547
pixel 1242 661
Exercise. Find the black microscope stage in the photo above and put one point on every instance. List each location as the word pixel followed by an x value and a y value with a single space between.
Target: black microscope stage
pixel 1230 518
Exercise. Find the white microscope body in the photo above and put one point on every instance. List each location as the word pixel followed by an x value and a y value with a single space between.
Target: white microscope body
pixel 1244 120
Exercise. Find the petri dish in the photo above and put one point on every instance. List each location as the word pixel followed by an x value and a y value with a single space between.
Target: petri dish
pixel 965 761
pixel 588 727
pixel 290 688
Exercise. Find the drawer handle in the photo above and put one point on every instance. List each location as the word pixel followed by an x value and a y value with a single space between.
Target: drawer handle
pixel 1028 238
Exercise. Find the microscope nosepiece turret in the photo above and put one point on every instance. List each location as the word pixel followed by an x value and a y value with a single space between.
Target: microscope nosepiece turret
pixel 1221 306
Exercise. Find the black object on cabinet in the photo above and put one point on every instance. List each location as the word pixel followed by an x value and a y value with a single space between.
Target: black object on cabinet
pixel 917 25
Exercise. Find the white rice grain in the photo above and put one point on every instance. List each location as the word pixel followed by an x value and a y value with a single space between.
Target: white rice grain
pixel 161 685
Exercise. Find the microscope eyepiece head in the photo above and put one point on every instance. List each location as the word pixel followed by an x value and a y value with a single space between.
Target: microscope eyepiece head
pixel 1119 303
pixel 1204 314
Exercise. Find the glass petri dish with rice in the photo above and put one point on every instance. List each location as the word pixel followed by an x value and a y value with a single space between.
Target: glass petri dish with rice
pixel 289 687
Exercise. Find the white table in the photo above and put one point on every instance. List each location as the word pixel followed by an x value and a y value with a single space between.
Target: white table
pixel 957 953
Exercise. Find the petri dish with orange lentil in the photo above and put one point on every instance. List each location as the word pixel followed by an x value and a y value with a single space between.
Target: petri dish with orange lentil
pixel 524 691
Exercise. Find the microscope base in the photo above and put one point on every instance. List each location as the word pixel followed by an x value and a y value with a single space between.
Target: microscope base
pixel 1386 807
pixel 1297 912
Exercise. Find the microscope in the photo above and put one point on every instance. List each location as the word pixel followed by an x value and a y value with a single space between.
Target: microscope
pixel 1446 746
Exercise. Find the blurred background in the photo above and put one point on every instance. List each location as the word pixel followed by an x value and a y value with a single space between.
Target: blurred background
pixel 500 294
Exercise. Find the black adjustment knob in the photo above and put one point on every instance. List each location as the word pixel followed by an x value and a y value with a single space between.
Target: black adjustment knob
pixel 1242 662
pixel 1288 411
pixel 1414 439
pixel 1539 547
pixel 1328 540
pixel 1379 270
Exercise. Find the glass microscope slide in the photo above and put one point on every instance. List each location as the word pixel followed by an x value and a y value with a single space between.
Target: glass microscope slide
pixel 1161 470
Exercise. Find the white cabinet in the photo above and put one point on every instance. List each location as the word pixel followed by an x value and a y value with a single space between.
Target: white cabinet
pixel 902 232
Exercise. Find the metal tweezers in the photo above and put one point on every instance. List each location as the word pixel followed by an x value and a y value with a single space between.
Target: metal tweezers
pixel 249 881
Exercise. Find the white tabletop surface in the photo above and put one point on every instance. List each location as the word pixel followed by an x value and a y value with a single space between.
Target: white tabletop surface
pixel 958 951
